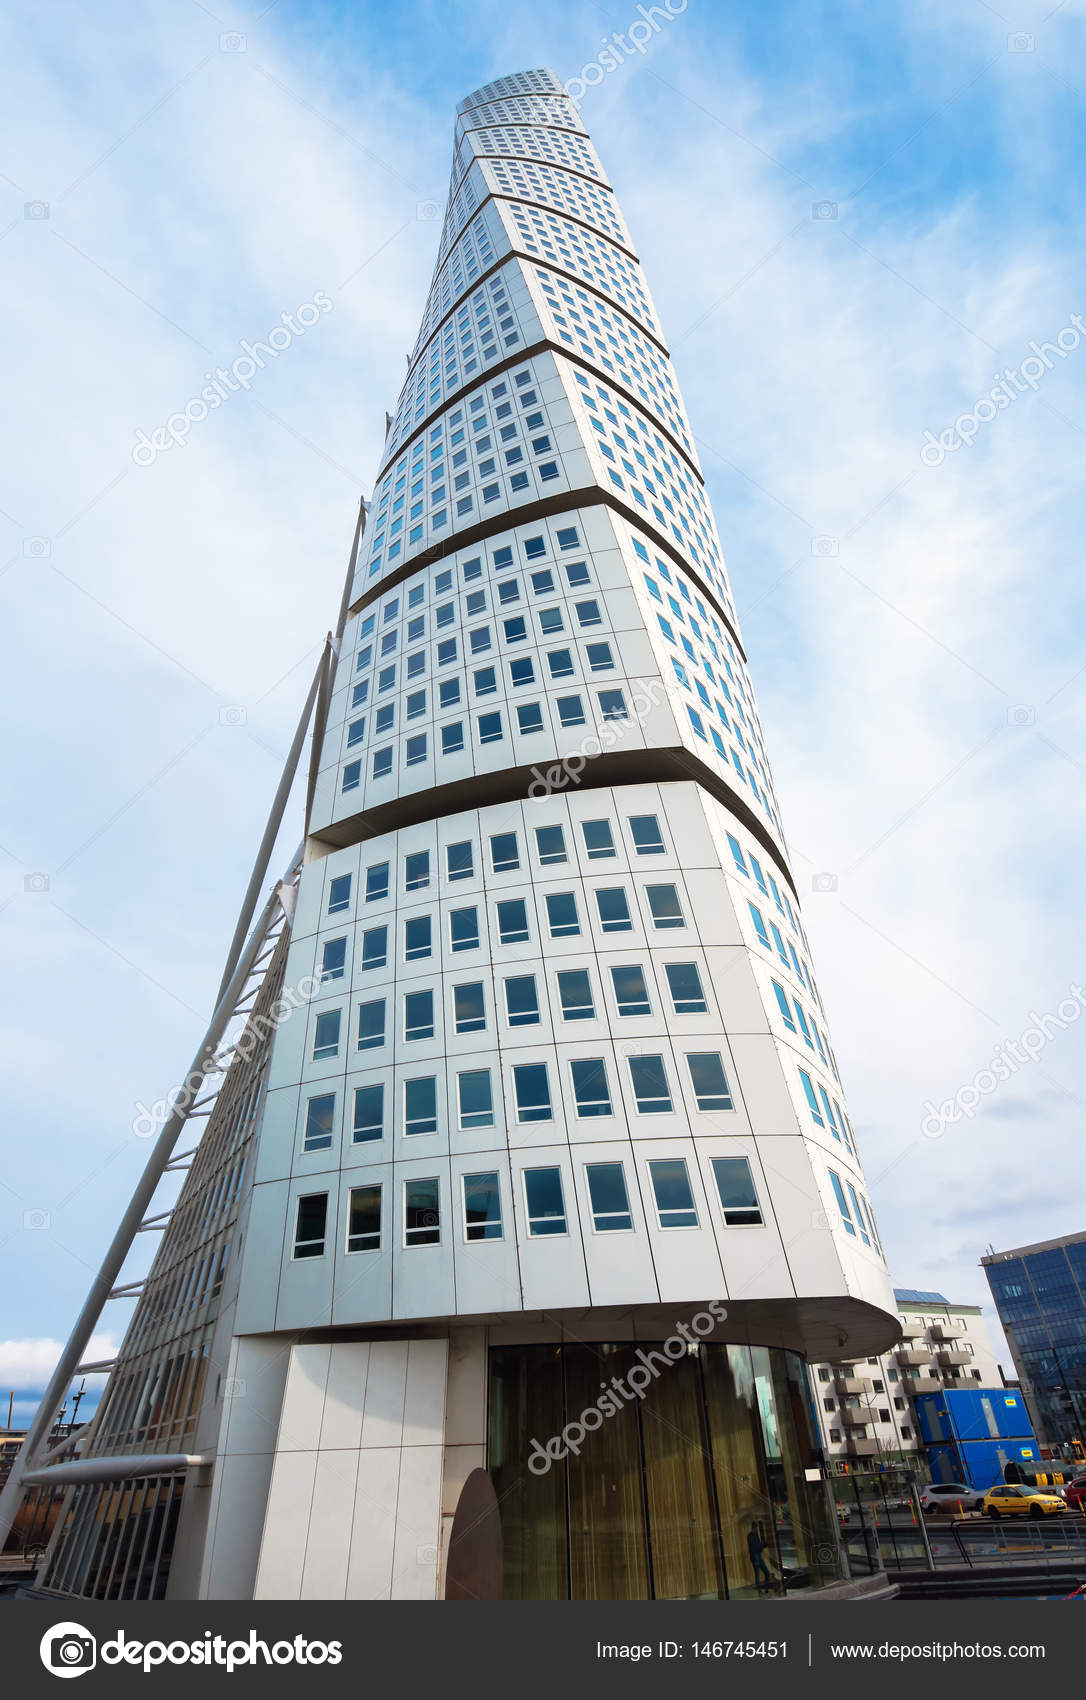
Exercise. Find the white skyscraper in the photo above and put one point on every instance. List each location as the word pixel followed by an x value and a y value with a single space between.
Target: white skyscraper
pixel 566 1081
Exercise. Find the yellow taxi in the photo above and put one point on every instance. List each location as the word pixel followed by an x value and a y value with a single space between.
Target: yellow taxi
pixel 1008 1500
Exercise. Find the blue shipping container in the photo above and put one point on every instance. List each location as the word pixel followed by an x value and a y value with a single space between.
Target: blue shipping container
pixel 980 1463
pixel 972 1413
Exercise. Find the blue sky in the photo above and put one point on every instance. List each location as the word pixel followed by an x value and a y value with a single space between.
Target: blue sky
pixel 914 631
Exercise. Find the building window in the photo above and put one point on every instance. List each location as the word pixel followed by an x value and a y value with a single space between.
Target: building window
pixel 452 738
pixel 421 1212
pixel 490 728
pixel 562 918
pixel 590 1091
pixel 504 854
pixel 545 1206
pixel 371 1025
pixel 475 1098
pixel 420 1105
pixel 647 837
pixel 364 1219
pixel 570 711
pixel 783 1005
pixel 377 882
pixel 374 948
pixel 310 1225
pixel 842 1202
pixel 482 1207
pixel 631 992
pixel 417 870
pixel 326 1034
pixel 684 984
pixel 532 1092
pixel 334 959
pixel 673 1194
pixel 736 1191
pixel 530 717
pixel 599 842
pixel 339 894
pixel 737 856
pixel 522 1001
pixel 608 1198
pixel 612 705
pixel 417 940
pixel 512 921
pixel 710 1083
pixel 469 1009
pixel 416 749
pixel 460 860
pixel 464 928
pixel 651 1092
pixel 418 1015
pixel 614 910
pixel 319 1116
pixel 575 994
pixel 369 1113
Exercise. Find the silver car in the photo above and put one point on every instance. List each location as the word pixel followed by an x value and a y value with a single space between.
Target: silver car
pixel 951 1498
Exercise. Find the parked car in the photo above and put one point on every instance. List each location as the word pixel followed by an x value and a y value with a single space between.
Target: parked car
pixel 950 1497
pixel 1074 1494
pixel 1008 1500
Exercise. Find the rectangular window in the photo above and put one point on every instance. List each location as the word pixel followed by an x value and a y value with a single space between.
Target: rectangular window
pixel 522 1001
pixel 490 728
pixel 382 763
pixel 562 918
pixel 374 948
pixel 464 928
pixel 418 1015
pixel 416 870
pixel 842 1203
pixel 590 1090
pixel 550 844
pixel 376 882
pixel 631 992
pixel 651 1091
pixel 812 1101
pixel 420 1105
pixel 512 921
pixel 545 1206
pixel 326 1034
pixel 571 711
pixel 674 1196
pixel 614 910
pixel 684 984
pixel 612 705
pixel 333 959
pixel 417 939
pixel 459 860
pixel 369 1113
pixel 475 1098
pixel 560 662
pixel 783 1005
pixel 608 1197
pixel 415 750
pixel 710 1083
pixel 469 1010
pixel 452 738
pixel 319 1116
pixel 352 776
pixel 737 856
pixel 759 924
pixel 422 1212
pixel 600 659
pixel 529 717
pixel 339 894
pixel 448 693
pixel 310 1225
pixel 664 907
pixel 504 853
pixel 371 1025
pixel 575 994
pixel 364 1219
pixel 599 842
pixel 485 680
pixel 482 1207
pixel 532 1092
pixel 736 1191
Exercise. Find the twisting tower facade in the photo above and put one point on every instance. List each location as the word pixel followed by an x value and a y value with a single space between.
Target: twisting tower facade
pixel 553 1175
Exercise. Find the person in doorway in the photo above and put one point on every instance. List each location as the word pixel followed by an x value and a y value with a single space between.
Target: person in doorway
pixel 756 1548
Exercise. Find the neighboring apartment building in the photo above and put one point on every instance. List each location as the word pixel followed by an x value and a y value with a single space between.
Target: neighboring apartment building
pixel 865 1406
pixel 1040 1294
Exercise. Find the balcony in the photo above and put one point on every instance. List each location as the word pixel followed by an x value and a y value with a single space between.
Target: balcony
pixel 851 1385
pixel 859 1447
pixel 947 1331
pixel 913 1382
pixel 913 1330
pixel 854 1416
pixel 953 1357
pixel 914 1356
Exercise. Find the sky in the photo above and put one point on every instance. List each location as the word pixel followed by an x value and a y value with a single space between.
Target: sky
pixel 854 220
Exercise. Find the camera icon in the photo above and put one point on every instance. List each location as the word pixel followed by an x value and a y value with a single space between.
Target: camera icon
pixel 233 1388
pixel 38 548
pixel 36 882
pixel 68 1650
pixel 825 546
pixel 233 715
pixel 1019 42
pixel 36 209
pixel 824 209
pixel 824 882
pixel 1021 715
pixel 36 1221
pixel 427 209
pixel 426 1555
pixel 231 42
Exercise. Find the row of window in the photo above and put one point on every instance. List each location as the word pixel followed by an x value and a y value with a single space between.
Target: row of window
pixel 531 1082
pixel 520 994
pixel 551 850
pixel 561 664
pixel 512 925
pixel 545 1213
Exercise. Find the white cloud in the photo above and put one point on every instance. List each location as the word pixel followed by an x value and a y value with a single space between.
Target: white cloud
pixel 26 1365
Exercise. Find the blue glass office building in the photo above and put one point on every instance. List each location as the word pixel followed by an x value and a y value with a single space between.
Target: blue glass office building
pixel 1040 1294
